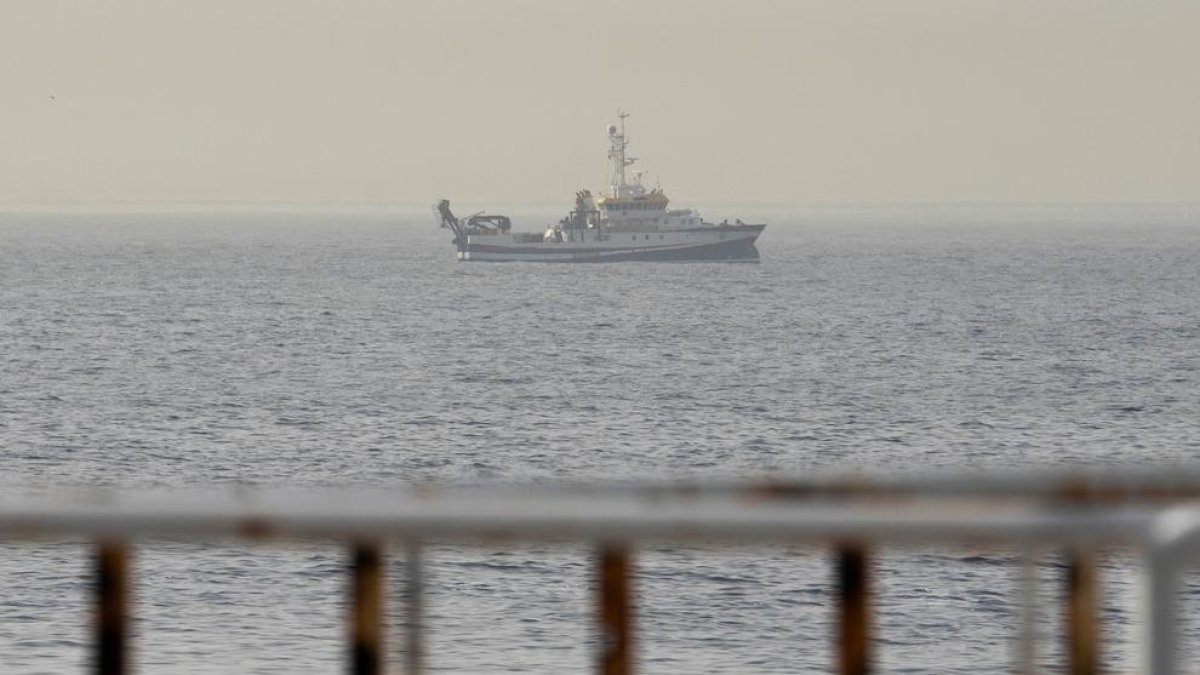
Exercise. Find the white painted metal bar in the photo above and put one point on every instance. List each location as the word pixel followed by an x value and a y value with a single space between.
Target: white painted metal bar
pixel 577 519
pixel 1158 616
pixel 1172 540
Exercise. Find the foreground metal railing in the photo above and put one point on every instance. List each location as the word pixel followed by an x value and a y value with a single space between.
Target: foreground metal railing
pixel 1077 514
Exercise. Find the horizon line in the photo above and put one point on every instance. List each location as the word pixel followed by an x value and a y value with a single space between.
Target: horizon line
pixel 298 205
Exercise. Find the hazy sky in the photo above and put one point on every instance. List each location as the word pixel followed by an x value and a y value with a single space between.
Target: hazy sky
pixel 493 102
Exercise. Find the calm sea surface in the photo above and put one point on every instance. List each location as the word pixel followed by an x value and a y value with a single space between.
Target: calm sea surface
pixel 339 349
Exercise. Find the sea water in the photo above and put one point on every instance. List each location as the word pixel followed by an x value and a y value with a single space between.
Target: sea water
pixel 228 350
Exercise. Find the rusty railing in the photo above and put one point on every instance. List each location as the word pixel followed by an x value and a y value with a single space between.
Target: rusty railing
pixel 1078 515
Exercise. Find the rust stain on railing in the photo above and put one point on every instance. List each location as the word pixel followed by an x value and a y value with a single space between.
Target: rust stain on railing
pixel 112 608
pixel 1083 643
pixel 854 613
pixel 614 653
pixel 366 609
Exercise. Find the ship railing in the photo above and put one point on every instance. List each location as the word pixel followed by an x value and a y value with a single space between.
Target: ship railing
pixel 1154 513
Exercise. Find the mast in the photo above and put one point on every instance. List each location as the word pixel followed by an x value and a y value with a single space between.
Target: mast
pixel 617 158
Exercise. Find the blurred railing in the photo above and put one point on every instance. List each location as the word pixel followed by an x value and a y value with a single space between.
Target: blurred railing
pixel 1152 512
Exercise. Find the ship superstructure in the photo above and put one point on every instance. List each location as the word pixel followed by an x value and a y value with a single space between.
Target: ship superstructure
pixel 630 222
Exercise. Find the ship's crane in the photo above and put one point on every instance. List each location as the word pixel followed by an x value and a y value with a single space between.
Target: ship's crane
pixel 483 222
pixel 480 223
pixel 451 223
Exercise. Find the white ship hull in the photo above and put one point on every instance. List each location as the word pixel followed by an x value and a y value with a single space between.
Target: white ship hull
pixel 734 243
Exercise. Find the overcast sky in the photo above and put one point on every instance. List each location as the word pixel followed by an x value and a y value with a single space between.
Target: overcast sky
pixel 494 102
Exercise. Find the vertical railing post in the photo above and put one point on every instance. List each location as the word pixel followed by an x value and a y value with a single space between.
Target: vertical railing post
pixel 1082 646
pixel 1160 611
pixel 112 608
pixel 1026 647
pixel 1081 622
pixel 366 609
pixel 614 654
pixel 854 621
pixel 413 598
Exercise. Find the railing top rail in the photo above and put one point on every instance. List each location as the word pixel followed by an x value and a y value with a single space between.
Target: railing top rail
pixel 588 517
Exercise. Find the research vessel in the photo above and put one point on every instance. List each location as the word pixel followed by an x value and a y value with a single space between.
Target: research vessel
pixel 629 222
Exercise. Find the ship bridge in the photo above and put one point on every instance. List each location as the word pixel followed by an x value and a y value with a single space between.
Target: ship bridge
pixel 629 205
pixel 655 200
